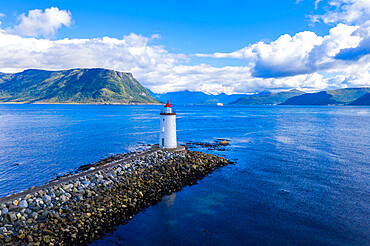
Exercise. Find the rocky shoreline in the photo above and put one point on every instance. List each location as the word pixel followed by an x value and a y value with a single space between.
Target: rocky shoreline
pixel 80 211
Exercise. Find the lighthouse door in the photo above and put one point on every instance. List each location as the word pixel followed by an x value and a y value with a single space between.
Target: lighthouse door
pixel 163 142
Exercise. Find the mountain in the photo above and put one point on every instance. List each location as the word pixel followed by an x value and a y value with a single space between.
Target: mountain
pixel 96 85
pixel 340 96
pixel 265 98
pixel 362 101
pixel 194 97
pixel 264 92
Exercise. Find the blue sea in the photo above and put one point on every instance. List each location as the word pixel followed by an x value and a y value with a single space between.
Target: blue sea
pixel 300 177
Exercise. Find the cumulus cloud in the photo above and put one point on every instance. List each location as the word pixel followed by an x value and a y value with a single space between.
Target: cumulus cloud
pixel 42 23
pixel 297 61
pixel 152 65
pixel 303 53
pixel 346 11
pixel 346 49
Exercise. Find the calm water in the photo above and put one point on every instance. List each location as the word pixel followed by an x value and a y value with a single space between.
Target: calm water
pixel 301 176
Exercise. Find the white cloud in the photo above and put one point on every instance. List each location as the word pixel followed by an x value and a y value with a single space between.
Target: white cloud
pixel 152 65
pixel 344 51
pixel 163 71
pixel 295 61
pixel 346 11
pixel 39 23
pixel 317 3
pixel 304 53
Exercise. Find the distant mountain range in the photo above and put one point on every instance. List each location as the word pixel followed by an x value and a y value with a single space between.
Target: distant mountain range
pixel 337 97
pixel 268 98
pixel 95 85
pixel 348 96
pixel 195 97
pixel 104 86
pixel 364 100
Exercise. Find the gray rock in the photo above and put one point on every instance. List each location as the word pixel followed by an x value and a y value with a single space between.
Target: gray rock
pixel 18 224
pixel 23 204
pixel 88 194
pixel 67 187
pixel 27 211
pixel 85 183
pixel 64 198
pixel 14 208
pixel 58 194
pixel 46 198
pixel 10 217
pixel 45 213
pixel 51 193
pixel 34 215
pixel 29 239
pixel 79 197
pixel 4 211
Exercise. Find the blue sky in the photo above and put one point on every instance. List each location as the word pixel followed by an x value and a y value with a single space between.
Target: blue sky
pixel 213 46
pixel 187 27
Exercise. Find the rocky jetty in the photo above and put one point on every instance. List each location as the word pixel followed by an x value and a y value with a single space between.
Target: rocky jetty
pixel 218 144
pixel 82 210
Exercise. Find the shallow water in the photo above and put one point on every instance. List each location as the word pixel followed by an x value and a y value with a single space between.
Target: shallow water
pixel 301 176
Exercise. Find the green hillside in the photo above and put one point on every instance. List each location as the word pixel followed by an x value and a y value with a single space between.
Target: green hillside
pixel 362 101
pixel 340 96
pixel 95 85
pixel 349 94
pixel 267 98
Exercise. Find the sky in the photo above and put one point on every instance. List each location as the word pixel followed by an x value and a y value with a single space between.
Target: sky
pixel 211 46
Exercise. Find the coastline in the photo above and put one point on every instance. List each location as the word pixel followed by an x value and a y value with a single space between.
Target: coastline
pixel 84 207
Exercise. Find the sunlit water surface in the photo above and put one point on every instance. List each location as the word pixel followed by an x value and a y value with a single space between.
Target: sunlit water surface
pixel 301 174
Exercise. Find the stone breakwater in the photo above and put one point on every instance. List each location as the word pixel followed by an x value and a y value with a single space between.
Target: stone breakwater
pixel 85 209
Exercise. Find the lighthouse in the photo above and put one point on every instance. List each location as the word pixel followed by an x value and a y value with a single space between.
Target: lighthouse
pixel 167 132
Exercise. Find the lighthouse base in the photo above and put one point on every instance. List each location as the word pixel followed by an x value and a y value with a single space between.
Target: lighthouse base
pixel 178 148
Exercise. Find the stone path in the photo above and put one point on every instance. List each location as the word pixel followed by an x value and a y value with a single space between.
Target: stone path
pixel 78 175
pixel 72 177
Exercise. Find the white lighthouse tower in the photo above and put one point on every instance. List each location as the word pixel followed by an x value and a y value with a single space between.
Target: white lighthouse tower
pixel 167 133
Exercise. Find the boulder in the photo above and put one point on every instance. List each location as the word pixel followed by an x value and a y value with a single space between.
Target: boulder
pixel 4 211
pixel 67 187
pixel 224 143
pixel 34 215
pixel 46 198
pixel 10 217
pixel 14 208
pixel 63 198
pixel 23 204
